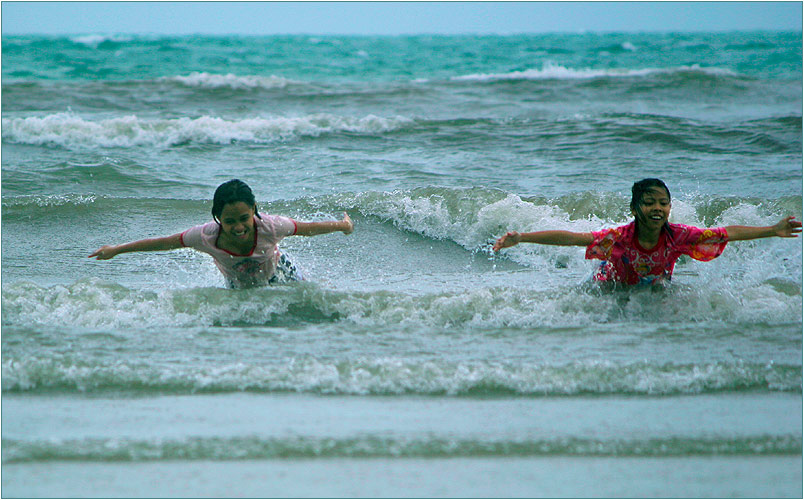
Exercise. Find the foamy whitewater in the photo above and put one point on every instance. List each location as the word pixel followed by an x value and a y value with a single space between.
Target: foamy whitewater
pixel 412 362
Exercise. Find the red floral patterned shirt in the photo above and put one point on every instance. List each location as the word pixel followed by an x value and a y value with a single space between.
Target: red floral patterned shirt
pixel 625 261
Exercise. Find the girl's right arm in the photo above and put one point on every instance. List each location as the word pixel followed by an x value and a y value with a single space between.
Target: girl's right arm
pixel 564 238
pixel 148 245
pixel 785 228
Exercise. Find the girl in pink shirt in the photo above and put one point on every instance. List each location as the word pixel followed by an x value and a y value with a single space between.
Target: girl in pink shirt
pixel 242 241
pixel 646 250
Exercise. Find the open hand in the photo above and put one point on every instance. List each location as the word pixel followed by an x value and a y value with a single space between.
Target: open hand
pixel 105 252
pixel 787 227
pixel 347 221
pixel 510 239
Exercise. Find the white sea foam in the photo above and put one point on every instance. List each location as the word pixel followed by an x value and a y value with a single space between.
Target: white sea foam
pixel 117 450
pixel 90 304
pixel 208 80
pixel 470 219
pixel 56 200
pixel 396 375
pixel 552 71
pixel 93 40
pixel 71 131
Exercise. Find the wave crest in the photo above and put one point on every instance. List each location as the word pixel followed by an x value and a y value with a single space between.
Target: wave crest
pixel 94 304
pixel 558 72
pixel 70 131
pixel 380 446
pixel 396 376
pixel 231 81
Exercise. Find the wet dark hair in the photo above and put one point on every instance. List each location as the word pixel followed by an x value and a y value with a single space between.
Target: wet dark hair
pixel 231 192
pixel 640 189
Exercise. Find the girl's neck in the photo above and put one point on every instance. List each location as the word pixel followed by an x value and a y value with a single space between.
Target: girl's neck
pixel 647 238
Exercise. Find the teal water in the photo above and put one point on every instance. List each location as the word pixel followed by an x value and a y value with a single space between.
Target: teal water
pixel 410 354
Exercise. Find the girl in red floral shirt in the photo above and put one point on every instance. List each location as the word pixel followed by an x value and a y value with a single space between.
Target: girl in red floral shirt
pixel 646 250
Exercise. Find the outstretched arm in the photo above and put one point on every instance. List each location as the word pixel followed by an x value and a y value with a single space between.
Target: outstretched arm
pixel 315 228
pixel 785 228
pixel 148 245
pixel 564 238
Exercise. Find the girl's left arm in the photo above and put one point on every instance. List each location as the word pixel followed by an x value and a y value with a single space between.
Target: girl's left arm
pixel 314 228
pixel 785 228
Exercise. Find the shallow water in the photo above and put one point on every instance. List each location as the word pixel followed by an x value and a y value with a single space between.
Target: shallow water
pixel 412 362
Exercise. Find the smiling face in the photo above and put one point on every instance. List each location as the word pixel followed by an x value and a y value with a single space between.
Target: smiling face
pixel 653 209
pixel 237 223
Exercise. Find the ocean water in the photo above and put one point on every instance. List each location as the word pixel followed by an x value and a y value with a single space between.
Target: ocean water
pixel 412 362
